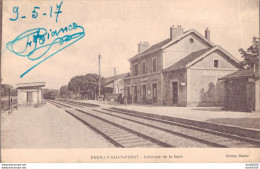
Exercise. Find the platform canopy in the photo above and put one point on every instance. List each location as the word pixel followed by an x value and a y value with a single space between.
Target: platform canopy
pixel 30 85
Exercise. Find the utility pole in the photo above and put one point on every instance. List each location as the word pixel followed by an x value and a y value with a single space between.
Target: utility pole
pixel 99 75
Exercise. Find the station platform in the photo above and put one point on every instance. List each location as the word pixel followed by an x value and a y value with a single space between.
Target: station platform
pixel 46 127
pixel 205 114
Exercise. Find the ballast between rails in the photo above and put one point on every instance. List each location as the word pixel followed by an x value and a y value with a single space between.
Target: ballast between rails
pixel 120 114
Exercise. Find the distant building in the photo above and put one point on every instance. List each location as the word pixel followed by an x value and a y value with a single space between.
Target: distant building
pixel 242 90
pixel 114 85
pixel 182 70
pixel 29 93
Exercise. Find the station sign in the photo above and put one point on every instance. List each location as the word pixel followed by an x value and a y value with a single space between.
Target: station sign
pixel 183 84
pixel 144 79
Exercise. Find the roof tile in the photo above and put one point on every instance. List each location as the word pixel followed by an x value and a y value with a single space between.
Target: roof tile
pixel 242 73
pixel 112 78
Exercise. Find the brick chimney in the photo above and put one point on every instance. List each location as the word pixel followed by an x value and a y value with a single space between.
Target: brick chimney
pixel 176 31
pixel 142 46
pixel 207 34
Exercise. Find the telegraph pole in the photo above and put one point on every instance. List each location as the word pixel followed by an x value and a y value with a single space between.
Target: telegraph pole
pixel 99 75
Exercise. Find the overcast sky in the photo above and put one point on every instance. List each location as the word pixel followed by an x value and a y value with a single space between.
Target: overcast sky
pixel 114 28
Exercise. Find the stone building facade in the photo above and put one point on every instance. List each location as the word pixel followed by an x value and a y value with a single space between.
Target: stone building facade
pixel 182 70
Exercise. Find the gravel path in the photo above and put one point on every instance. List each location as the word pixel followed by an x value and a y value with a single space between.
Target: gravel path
pixel 47 127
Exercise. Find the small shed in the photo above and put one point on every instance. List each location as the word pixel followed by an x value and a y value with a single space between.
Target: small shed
pixel 242 90
pixel 114 85
pixel 29 93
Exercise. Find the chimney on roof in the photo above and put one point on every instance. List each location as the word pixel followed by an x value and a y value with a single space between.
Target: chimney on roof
pixel 176 31
pixel 207 34
pixel 142 46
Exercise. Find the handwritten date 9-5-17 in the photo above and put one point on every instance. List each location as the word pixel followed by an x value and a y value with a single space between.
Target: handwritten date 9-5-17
pixel 36 12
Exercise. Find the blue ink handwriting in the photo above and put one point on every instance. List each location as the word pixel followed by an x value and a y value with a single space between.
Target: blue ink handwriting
pixel 34 45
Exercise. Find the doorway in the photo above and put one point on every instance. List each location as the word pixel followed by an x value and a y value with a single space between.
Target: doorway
pixel 154 93
pixel 135 94
pixel 144 91
pixel 175 92
pixel 29 97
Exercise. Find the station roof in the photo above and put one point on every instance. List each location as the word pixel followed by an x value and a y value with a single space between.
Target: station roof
pixel 186 60
pixel 242 74
pixel 168 42
pixel 30 85
pixel 109 85
pixel 194 57
pixel 112 78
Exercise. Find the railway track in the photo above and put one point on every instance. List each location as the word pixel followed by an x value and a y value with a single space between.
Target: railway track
pixel 80 103
pixel 196 131
pixel 118 135
pixel 196 137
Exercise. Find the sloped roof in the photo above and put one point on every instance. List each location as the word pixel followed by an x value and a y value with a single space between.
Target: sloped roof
pixel 194 57
pixel 187 59
pixel 109 85
pixel 155 47
pixel 111 79
pixel 241 74
pixel 168 42
pixel 28 85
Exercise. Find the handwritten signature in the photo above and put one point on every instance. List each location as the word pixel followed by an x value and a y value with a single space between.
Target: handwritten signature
pixel 36 43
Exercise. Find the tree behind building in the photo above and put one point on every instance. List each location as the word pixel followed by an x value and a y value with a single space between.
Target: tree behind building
pixel 251 55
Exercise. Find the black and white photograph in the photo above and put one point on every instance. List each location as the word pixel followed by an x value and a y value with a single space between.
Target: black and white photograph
pixel 130 81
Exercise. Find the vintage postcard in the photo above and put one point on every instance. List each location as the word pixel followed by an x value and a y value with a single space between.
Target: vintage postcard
pixel 86 81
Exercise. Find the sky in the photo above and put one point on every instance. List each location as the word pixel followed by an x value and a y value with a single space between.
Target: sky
pixel 114 29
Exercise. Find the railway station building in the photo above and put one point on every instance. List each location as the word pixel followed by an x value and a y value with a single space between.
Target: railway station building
pixel 182 70
pixel 29 93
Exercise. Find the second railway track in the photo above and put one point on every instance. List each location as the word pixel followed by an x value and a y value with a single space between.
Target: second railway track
pixel 180 135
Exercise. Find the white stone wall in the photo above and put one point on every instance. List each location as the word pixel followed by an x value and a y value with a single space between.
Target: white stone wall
pixel 40 95
pixel 22 96
pixel 35 97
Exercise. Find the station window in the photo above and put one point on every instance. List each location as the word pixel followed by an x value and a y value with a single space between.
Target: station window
pixel 136 70
pixel 191 40
pixel 144 67
pixel 154 64
pixel 128 91
pixel 216 63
